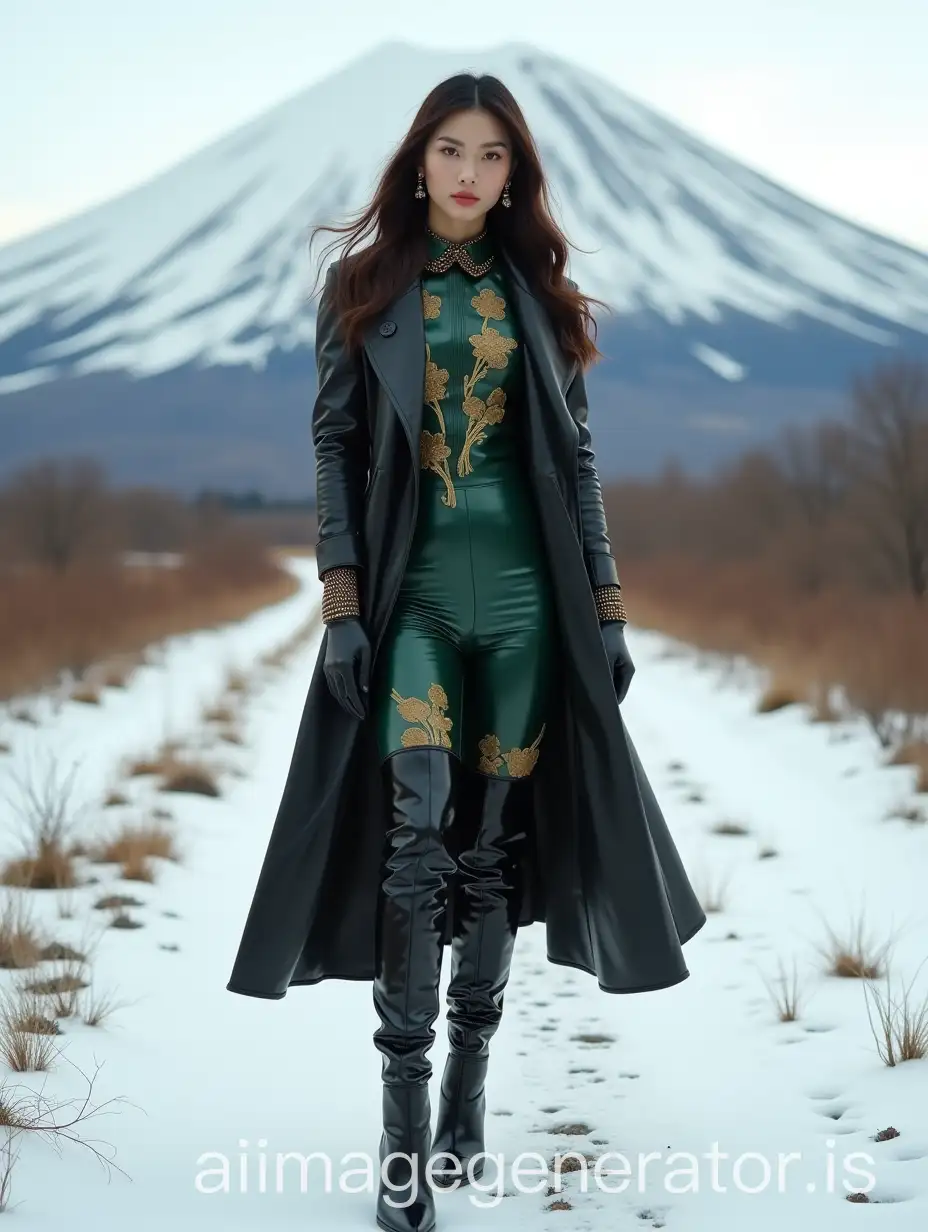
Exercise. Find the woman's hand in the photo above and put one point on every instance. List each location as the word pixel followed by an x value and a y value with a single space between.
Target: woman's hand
pixel 620 661
pixel 347 665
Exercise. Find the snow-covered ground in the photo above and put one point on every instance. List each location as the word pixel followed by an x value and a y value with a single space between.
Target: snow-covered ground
pixel 201 1075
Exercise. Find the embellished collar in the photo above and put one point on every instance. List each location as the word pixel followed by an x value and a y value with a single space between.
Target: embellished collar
pixel 473 256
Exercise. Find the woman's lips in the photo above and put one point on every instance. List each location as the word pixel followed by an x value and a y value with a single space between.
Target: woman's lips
pixel 465 197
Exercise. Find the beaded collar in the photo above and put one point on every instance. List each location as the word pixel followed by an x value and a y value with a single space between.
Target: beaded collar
pixel 473 256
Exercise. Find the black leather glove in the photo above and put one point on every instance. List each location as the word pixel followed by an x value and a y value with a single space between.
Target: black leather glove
pixel 348 664
pixel 620 661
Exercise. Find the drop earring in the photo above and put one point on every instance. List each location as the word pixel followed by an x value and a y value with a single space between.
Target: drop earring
pixel 507 201
pixel 420 190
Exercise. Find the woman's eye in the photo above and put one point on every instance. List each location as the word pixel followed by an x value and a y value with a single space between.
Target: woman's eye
pixel 449 149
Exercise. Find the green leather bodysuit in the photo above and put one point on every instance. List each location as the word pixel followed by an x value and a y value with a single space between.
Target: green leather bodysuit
pixel 466 661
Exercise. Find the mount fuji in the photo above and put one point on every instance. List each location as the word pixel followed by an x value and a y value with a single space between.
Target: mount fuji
pixel 169 331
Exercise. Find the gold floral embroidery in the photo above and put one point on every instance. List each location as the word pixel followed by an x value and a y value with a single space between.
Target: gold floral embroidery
pixel 433 449
pixel 520 762
pixel 491 349
pixel 431 305
pixel 489 304
pixel 490 757
pixel 481 415
pixel 436 384
pixel 434 725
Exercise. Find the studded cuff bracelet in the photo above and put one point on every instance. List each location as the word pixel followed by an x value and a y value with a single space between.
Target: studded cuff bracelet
pixel 609 605
pixel 340 594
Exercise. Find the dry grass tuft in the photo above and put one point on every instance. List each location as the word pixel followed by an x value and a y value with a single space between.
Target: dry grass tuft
pixel 914 753
pixel 69 981
pixel 854 955
pixel 20 941
pixel 779 694
pixel 47 821
pixel 712 894
pixel 901 1029
pixel 133 847
pixel 176 772
pixel 785 993
pixel 236 681
pixel 111 902
pixel 730 827
pixel 21 1048
pixel 193 777
pixel 96 1008
pixel 87 693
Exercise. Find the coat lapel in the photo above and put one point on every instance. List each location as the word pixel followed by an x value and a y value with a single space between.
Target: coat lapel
pixel 395 345
pixel 555 369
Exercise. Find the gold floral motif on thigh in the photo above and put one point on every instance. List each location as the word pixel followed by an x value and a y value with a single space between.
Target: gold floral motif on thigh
pixel 519 762
pixel 434 726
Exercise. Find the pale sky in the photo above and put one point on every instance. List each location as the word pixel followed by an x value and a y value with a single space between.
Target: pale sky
pixel 827 96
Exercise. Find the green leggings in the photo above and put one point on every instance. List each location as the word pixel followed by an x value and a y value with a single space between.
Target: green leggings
pixel 466 662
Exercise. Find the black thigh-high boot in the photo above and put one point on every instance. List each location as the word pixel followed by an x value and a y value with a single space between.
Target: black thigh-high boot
pixel 486 921
pixel 410 927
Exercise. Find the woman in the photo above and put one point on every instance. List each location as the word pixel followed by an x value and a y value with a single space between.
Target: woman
pixel 462 767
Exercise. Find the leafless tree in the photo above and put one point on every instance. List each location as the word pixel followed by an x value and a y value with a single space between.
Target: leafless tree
pixel 814 462
pixel 55 509
pixel 889 457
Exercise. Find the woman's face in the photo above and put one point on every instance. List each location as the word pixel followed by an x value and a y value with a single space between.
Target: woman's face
pixel 470 153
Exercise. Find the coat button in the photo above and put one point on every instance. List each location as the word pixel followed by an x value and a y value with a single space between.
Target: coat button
pixel 388 328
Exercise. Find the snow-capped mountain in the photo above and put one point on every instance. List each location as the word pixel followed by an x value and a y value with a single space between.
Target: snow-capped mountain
pixel 176 316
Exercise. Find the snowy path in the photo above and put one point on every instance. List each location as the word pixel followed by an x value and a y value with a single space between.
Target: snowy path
pixel 678 1070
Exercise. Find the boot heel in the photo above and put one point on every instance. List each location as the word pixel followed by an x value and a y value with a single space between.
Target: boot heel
pixel 407 1119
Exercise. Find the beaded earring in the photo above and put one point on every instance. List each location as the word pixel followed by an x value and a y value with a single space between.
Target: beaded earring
pixel 420 191
pixel 507 202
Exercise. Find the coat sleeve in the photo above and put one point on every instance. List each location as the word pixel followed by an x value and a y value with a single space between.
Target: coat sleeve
pixel 597 549
pixel 341 440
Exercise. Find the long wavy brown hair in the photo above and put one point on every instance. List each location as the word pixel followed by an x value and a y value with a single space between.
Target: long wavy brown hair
pixel 371 274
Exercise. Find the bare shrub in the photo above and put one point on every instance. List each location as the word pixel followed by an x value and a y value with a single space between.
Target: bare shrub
pixel 55 510
pixel 23 1110
pixel 8 1157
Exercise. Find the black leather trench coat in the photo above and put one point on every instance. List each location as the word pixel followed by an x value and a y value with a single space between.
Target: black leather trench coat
pixel 604 873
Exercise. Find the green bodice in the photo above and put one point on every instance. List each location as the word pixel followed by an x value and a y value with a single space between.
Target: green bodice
pixel 473 377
